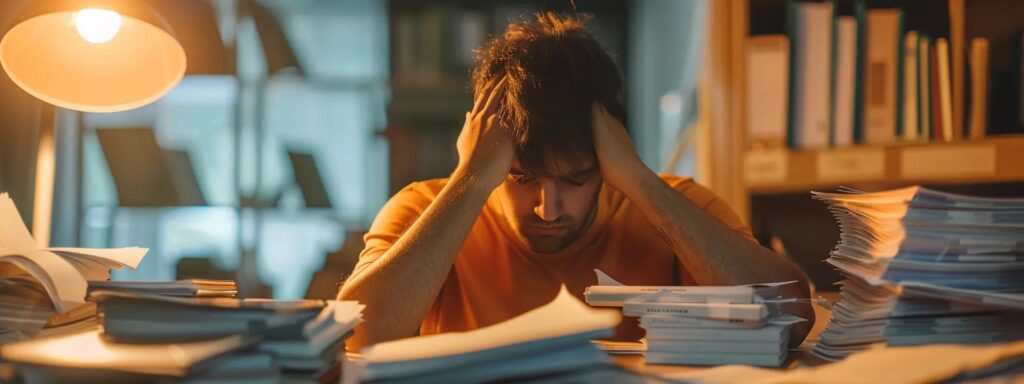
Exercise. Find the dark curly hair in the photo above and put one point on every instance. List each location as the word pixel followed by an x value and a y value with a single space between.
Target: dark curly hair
pixel 555 71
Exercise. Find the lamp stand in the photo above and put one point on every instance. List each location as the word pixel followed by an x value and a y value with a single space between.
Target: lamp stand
pixel 46 159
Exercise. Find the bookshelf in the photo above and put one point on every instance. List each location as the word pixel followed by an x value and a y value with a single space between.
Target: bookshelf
pixel 769 184
pixel 995 158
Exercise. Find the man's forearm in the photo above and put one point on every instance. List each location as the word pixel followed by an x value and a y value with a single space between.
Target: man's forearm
pixel 400 286
pixel 713 253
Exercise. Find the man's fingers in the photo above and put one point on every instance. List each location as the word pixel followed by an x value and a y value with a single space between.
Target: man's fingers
pixel 485 93
pixel 492 99
pixel 481 95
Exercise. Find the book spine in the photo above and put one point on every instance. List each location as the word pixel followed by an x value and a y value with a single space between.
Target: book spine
pixel 695 322
pixel 923 82
pixel 936 104
pixel 767 90
pixel 792 31
pixel 948 129
pixel 860 10
pixel 764 360
pixel 773 334
pixel 909 99
pixel 845 89
pixel 979 88
pixel 717 346
pixel 753 312
pixel 881 75
pixel 897 102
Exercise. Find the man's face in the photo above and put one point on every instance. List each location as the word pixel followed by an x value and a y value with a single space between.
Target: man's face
pixel 548 214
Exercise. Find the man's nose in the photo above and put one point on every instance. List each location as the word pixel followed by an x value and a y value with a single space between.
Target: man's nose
pixel 549 204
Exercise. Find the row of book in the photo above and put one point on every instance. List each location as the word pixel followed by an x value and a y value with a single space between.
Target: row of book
pixel 703 325
pixel 840 80
pixel 925 267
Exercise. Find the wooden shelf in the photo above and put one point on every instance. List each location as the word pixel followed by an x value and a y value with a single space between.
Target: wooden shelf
pixel 994 159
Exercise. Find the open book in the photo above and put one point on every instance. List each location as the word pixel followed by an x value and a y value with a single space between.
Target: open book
pixel 62 272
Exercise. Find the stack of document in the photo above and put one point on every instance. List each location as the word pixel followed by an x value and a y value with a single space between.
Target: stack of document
pixel 87 357
pixel 551 340
pixel 925 267
pixel 84 317
pixel 180 288
pixel 304 337
pixel 36 283
pixel 703 325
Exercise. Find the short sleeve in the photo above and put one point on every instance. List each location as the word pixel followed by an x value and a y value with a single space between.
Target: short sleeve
pixel 709 201
pixel 397 215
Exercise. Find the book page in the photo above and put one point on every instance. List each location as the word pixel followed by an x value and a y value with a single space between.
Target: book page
pixel 62 281
pixel 126 257
pixel 14 236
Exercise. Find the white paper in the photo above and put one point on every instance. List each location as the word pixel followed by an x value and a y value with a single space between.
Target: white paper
pixel 89 350
pixel 604 279
pixel 63 272
pixel 14 236
pixel 563 317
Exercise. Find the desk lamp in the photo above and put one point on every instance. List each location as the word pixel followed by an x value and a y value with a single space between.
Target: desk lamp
pixel 89 56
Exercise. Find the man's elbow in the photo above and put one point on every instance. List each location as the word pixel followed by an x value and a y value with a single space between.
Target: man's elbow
pixel 349 285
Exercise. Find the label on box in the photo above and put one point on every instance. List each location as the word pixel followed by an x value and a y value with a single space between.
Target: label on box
pixel 951 161
pixel 766 167
pixel 851 165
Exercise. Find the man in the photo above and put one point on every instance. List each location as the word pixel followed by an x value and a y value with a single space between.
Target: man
pixel 548 188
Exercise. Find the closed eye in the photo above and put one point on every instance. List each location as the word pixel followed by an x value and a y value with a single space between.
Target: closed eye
pixel 581 177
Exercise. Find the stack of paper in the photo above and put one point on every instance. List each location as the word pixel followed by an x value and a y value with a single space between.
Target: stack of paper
pixel 550 340
pixel 304 337
pixel 180 288
pixel 925 267
pixel 37 282
pixel 993 363
pixel 703 325
pixel 87 357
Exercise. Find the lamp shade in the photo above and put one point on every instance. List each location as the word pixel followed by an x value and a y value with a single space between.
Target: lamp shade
pixel 92 56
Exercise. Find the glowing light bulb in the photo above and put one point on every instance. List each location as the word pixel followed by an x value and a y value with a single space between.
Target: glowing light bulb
pixel 97 26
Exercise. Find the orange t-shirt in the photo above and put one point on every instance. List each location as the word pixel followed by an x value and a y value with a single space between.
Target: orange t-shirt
pixel 495 277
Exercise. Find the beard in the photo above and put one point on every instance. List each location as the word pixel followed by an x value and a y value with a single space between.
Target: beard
pixel 549 236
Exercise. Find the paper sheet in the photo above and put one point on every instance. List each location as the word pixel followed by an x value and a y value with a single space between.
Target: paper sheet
pixel 65 286
pixel 926 364
pixel 14 236
pixel 565 315
pixel 91 351
pixel 63 272
pixel 604 279
pixel 128 257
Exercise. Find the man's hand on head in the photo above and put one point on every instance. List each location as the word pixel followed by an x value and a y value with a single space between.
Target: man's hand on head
pixel 620 164
pixel 485 148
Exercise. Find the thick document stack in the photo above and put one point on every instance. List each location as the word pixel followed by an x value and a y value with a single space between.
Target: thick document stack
pixel 925 267
pixel 88 357
pixel 302 337
pixel 84 317
pixel 553 340
pixel 180 288
pixel 37 283
pixel 703 325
